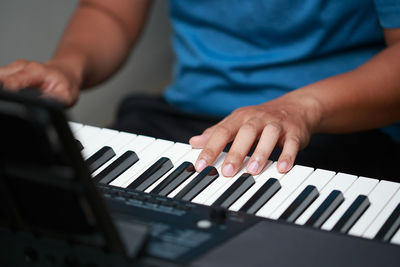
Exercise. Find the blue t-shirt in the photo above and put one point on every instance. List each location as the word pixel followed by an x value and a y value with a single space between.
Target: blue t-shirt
pixel 234 53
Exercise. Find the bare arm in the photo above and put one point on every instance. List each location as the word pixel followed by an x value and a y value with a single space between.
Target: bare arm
pixel 100 36
pixel 95 44
pixel 365 98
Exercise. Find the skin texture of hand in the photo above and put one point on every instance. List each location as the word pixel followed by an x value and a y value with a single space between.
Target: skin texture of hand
pixel 53 80
pixel 286 122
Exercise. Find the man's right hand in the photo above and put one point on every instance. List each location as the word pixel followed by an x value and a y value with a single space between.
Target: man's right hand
pixel 54 80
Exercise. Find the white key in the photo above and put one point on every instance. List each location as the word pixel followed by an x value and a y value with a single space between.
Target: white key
pixel 136 145
pixel 210 193
pixel 190 157
pixel 116 143
pixel 173 152
pixel 340 182
pixel 75 126
pixel 362 186
pixel 379 221
pixel 270 171
pixel 146 157
pixel 378 199
pixel 289 184
pixel 86 133
pixel 176 152
pixel 101 139
pixel 319 178
pixel 184 151
pixel 120 141
pixel 396 238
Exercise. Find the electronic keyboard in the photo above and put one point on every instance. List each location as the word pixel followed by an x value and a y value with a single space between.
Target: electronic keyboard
pixel 315 198
pixel 79 195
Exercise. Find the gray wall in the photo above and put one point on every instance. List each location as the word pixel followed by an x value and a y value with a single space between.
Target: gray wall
pixel 31 30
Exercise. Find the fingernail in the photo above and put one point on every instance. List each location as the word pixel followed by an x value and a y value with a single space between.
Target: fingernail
pixel 283 166
pixel 253 167
pixel 200 165
pixel 228 170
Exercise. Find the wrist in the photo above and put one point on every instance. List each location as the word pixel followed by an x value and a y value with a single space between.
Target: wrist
pixel 312 109
pixel 71 62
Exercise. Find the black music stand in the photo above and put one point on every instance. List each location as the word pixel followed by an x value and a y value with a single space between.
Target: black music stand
pixel 50 211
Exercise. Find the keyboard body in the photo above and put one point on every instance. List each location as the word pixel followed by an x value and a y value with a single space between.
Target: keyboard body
pixel 180 236
pixel 180 231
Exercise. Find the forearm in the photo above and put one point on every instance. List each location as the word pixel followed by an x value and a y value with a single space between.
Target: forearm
pixel 99 38
pixel 365 98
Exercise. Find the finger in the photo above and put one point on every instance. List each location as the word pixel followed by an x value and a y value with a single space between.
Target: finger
pixel 61 93
pixel 266 144
pixel 221 136
pixel 22 79
pixel 31 75
pixel 199 141
pixel 286 159
pixel 244 139
pixel 12 68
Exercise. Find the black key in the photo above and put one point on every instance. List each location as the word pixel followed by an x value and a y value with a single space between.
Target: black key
pixel 325 210
pixel 201 181
pixel 117 167
pixel 152 174
pixel 238 188
pixel 96 160
pixel 266 191
pixel 356 209
pixel 302 201
pixel 177 177
pixel 79 144
pixel 390 227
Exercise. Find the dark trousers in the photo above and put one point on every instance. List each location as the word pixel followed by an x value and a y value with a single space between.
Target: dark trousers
pixel 370 153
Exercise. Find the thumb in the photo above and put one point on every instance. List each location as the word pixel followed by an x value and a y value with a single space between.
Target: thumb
pixel 199 141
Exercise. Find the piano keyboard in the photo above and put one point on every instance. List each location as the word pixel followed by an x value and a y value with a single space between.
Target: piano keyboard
pixel 357 206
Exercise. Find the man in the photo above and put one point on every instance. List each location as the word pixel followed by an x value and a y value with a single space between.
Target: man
pixel 279 71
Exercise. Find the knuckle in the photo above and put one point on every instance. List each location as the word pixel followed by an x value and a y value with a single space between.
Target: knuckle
pixel 250 127
pixel 208 130
pixel 273 127
pixel 261 153
pixel 208 154
pixel 34 66
pixel 60 85
pixel 295 140
pixel 223 131
pixel 60 80
pixel 241 112
pixel 235 156
pixel 284 113
pixel 20 62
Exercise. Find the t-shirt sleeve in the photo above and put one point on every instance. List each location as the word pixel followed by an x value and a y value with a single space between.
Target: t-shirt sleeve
pixel 388 13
